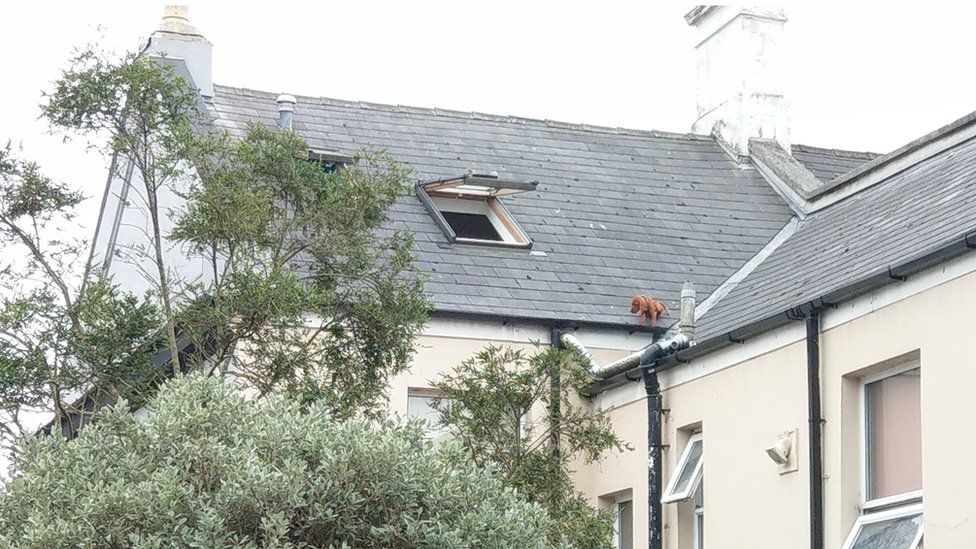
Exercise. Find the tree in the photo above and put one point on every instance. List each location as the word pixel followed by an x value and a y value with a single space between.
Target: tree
pixel 504 408
pixel 61 335
pixel 208 468
pixel 306 292
pixel 310 296
pixel 145 117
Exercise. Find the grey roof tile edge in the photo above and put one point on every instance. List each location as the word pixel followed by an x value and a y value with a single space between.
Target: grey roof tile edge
pixel 841 153
pixel 904 150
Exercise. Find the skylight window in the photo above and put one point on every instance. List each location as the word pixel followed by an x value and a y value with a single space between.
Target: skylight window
pixel 468 210
pixel 329 160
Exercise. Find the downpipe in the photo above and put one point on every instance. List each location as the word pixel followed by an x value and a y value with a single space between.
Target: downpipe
pixel 652 388
pixel 816 429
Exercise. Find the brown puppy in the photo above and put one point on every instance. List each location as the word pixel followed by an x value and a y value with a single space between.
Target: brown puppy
pixel 648 308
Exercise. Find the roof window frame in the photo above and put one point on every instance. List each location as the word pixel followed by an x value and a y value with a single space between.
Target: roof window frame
pixel 483 188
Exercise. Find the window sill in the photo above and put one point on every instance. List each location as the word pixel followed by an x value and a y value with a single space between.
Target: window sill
pixel 494 243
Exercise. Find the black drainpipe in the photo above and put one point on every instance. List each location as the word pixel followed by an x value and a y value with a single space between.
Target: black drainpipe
pixel 816 440
pixel 653 389
pixel 648 362
pixel 555 413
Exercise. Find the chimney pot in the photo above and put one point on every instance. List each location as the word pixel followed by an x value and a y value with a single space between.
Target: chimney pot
pixel 286 107
pixel 176 39
pixel 176 14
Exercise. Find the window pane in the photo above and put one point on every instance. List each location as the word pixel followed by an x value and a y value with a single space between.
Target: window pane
pixel 688 471
pixel 470 225
pixel 894 434
pixel 625 525
pixel 896 533
pixel 420 407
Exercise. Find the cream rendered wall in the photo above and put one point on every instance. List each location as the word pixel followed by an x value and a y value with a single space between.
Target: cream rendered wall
pixel 741 411
pixel 744 396
pixel 447 344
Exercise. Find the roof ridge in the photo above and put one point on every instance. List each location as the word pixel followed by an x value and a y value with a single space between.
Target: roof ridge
pixel 866 155
pixel 473 115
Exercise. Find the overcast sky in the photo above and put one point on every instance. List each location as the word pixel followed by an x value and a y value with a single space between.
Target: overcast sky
pixel 864 78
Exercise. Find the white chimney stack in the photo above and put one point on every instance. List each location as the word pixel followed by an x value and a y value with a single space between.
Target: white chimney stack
pixel 175 38
pixel 740 60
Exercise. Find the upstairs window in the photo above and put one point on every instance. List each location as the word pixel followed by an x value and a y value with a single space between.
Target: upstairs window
pixel 686 489
pixel 688 474
pixel 468 211
pixel 891 507
pixel 329 160
pixel 420 405
pixel 893 436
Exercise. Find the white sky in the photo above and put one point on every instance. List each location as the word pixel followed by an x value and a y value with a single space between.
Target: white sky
pixel 865 78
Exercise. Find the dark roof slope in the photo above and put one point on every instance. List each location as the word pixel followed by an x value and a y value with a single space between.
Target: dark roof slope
pixel 617 212
pixel 828 164
pixel 920 210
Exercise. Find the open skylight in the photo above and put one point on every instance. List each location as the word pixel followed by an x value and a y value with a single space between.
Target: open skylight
pixel 467 209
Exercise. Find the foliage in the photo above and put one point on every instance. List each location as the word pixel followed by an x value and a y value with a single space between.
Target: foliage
pixel 309 295
pixel 304 292
pixel 210 469
pixel 60 335
pixel 503 408
pixel 147 117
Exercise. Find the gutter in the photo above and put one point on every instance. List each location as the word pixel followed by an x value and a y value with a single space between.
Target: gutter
pixel 959 245
pixel 547 322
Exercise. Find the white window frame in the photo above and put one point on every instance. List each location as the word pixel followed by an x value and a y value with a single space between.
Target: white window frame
pixel 616 520
pixel 435 429
pixel 700 515
pixel 888 501
pixel 670 496
pixel 476 194
pixel 882 516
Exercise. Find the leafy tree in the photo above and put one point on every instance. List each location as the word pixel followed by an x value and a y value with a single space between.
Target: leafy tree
pixel 145 117
pixel 310 296
pixel 305 293
pixel 209 468
pixel 60 334
pixel 523 415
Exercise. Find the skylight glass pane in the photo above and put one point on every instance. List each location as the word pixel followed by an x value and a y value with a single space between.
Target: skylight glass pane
pixel 687 472
pixel 471 225
pixel 895 533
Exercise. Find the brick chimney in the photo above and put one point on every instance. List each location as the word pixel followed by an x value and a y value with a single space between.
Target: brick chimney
pixel 177 39
pixel 740 59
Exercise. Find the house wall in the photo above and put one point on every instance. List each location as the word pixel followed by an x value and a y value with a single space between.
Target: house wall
pixel 744 396
pixel 447 343
pixel 125 214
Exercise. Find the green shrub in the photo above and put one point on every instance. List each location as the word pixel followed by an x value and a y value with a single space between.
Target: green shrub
pixel 208 468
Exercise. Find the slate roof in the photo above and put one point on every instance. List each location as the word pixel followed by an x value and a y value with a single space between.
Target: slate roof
pixel 920 210
pixel 617 212
pixel 828 164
